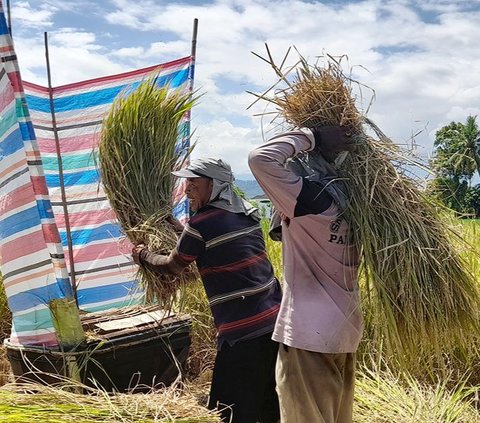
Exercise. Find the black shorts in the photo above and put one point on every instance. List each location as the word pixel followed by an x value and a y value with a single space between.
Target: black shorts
pixel 243 381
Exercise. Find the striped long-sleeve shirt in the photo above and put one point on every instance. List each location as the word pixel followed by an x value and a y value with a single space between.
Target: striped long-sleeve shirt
pixel 229 250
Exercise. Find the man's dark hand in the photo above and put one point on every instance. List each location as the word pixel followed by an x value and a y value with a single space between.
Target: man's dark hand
pixel 177 225
pixel 333 139
pixel 136 250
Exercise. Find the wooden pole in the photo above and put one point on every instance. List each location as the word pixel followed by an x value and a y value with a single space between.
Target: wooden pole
pixel 60 174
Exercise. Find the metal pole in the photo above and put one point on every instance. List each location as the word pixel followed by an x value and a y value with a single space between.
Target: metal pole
pixel 9 18
pixel 193 52
pixel 60 174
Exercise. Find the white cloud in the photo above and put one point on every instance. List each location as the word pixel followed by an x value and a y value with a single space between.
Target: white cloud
pixel 68 62
pixel 26 14
pixel 129 52
pixel 168 51
pixel 421 57
pixel 71 38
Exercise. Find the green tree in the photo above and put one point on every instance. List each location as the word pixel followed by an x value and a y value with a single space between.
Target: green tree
pixel 472 201
pixel 457 148
pixel 450 191
pixel 455 161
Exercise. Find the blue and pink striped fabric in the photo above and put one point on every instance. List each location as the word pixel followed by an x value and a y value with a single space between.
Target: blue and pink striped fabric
pixel 32 259
pixel 33 241
pixel 104 273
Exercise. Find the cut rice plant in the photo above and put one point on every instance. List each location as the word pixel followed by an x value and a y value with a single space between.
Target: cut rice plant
pixel 138 150
pixel 22 403
pixel 203 349
pixel 421 294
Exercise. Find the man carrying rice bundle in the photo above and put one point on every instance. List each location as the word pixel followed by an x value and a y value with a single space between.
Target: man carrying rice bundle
pixel 319 325
pixel 225 239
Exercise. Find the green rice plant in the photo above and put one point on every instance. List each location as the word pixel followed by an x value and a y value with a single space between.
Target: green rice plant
pixel 423 300
pixel 137 153
pixel 381 397
pixel 470 230
pixel 203 348
pixel 5 327
pixel 274 250
pixel 421 292
pixel 5 314
pixel 455 361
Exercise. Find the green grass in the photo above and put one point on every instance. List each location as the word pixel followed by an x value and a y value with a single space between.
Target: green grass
pixel 431 360
pixel 381 397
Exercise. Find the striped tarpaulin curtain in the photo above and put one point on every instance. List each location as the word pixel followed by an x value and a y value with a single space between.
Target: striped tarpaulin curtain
pixel 104 272
pixel 31 255
pixel 33 243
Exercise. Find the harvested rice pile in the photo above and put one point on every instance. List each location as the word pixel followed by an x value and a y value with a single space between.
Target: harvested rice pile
pixel 419 289
pixel 137 151
pixel 29 402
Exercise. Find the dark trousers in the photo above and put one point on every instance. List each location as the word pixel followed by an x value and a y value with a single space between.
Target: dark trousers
pixel 243 381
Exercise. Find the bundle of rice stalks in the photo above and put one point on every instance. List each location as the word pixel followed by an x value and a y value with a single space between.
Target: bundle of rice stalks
pixel 30 402
pixel 421 294
pixel 138 151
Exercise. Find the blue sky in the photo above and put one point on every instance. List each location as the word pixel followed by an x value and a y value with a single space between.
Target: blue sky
pixel 420 57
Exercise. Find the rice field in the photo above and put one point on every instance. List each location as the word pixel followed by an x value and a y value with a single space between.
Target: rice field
pixel 384 391
pixel 430 361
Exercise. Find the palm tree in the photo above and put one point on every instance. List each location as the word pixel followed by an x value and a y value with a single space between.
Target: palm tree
pixel 472 141
pixel 458 149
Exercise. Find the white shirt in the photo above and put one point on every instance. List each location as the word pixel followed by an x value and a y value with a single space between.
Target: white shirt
pixel 320 309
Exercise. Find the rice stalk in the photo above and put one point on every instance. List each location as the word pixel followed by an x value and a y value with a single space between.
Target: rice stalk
pixel 138 151
pixel 424 300
pixel 5 368
pixel 381 397
pixel 203 348
pixel 5 313
pixel 31 402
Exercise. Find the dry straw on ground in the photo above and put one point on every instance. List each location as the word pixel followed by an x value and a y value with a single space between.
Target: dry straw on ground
pixel 422 297
pixel 138 150
pixel 30 402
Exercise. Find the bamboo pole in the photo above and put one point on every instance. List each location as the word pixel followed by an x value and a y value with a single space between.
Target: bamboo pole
pixel 70 335
pixel 67 323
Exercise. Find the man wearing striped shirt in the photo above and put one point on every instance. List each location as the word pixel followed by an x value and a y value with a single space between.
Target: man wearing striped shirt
pixel 225 240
